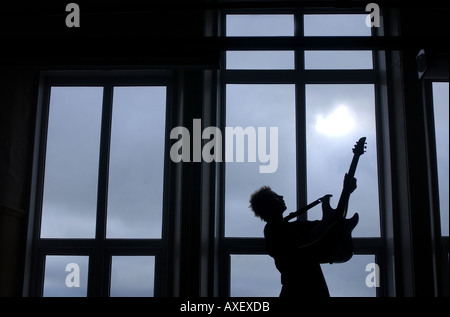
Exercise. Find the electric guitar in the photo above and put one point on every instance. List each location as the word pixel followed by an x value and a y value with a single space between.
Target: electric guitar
pixel 337 240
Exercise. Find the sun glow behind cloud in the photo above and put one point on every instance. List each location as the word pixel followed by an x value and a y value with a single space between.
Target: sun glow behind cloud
pixel 338 123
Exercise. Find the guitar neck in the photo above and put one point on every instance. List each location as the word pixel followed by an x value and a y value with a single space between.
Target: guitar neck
pixel 345 194
pixel 352 168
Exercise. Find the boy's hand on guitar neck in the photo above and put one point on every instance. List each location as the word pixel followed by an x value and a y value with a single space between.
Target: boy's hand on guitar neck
pixel 349 183
pixel 329 216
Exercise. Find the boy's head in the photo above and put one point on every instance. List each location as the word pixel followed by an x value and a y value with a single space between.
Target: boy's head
pixel 266 204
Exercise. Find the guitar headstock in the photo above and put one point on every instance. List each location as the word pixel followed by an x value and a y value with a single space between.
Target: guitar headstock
pixel 360 146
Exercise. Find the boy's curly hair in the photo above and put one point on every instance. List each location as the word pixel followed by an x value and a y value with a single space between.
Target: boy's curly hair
pixel 259 202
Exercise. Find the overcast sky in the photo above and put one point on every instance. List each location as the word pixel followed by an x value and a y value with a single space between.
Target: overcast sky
pixel 336 117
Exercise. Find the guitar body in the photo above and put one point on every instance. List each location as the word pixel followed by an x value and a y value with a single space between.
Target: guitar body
pixel 343 249
pixel 337 242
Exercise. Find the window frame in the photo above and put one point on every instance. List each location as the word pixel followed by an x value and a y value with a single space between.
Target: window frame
pixel 299 77
pixel 440 241
pixel 99 249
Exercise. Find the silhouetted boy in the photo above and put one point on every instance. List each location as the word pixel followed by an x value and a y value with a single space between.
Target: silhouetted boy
pixel 296 251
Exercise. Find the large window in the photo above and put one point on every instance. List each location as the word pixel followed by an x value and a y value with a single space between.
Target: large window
pixel 99 219
pixel 69 204
pixel 319 102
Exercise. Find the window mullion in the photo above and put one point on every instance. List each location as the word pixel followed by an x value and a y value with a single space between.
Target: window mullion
pixel 99 263
pixel 300 130
pixel 300 114
pixel 105 142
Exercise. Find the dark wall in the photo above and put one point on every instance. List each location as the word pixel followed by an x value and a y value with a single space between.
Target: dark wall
pixel 18 102
pixel 18 98
pixel 130 33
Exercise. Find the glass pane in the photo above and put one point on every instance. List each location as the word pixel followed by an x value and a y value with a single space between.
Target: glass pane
pixel 132 276
pixel 358 277
pixel 260 60
pixel 254 275
pixel 66 276
pixel 260 25
pixel 336 25
pixel 71 166
pixel 338 60
pixel 272 108
pixel 441 115
pixel 136 163
pixel 336 117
